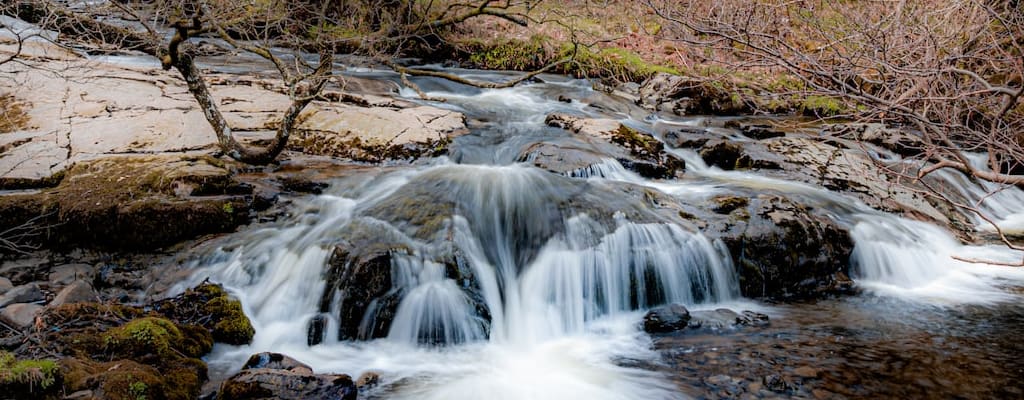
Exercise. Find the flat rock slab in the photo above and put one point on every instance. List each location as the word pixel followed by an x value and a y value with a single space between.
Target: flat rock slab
pixel 94 109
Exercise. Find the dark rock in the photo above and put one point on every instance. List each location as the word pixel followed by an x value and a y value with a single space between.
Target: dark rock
pixel 22 294
pixel 687 137
pixel 316 331
pixel 565 99
pixel 785 249
pixel 362 282
pixel 760 131
pixel 722 154
pixel 368 379
pixel 670 318
pixel 728 204
pixel 266 383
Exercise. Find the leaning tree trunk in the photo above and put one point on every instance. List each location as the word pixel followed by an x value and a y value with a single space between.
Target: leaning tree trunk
pixel 302 95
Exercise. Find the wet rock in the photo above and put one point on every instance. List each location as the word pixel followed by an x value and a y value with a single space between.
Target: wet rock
pixel 76 292
pixel 783 249
pixel 643 154
pixel 276 361
pixel 362 282
pixel 22 294
pixel 688 137
pixel 368 380
pixel 562 159
pixel 21 315
pixel 892 139
pixel 683 95
pixel 5 285
pixel 728 204
pixel 673 317
pixel 292 381
pixel 66 274
pixel 316 331
pixel 722 154
pixel 760 131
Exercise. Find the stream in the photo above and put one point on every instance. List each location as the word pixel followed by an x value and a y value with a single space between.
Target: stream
pixel 556 271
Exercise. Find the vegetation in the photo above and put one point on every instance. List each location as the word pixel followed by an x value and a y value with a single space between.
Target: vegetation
pixel 29 378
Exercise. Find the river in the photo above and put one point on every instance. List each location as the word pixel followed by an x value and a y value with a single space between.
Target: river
pixel 566 265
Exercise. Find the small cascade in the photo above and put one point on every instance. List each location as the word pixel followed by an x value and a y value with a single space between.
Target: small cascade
pixel 1002 204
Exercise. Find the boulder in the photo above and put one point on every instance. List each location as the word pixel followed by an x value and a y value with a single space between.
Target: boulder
pixel 783 249
pixel 278 361
pixel 76 292
pixel 66 274
pixel 22 294
pixel 597 139
pixel 275 376
pixel 21 315
pixel 673 317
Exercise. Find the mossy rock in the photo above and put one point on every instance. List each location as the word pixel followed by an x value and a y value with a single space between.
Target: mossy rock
pixel 209 305
pixel 131 380
pixel 143 337
pixel 25 379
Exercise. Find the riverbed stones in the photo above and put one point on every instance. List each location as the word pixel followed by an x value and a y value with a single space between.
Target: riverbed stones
pixel 5 285
pixel 66 274
pixel 597 140
pixel 22 294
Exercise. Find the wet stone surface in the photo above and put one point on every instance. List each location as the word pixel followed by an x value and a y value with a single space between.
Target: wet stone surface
pixel 849 349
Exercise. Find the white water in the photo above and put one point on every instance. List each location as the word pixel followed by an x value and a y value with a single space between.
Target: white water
pixel 561 324
pixel 563 311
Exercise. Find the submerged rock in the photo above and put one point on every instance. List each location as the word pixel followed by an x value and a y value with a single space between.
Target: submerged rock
pixel 276 376
pixel 676 318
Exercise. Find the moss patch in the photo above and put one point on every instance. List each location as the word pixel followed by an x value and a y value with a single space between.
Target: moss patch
pixel 208 305
pixel 28 378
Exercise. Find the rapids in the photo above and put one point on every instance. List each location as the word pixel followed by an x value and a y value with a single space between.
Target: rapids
pixel 564 283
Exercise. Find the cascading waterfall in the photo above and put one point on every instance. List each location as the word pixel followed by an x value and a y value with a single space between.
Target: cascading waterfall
pixel 563 288
pixel 562 292
pixel 900 257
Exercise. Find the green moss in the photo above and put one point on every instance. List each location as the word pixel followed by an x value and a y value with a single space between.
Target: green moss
pixel 616 63
pixel 27 376
pixel 143 336
pixel 821 106
pixel 511 54
pixel 639 144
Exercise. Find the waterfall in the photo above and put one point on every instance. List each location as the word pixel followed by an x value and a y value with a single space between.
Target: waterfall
pixel 564 291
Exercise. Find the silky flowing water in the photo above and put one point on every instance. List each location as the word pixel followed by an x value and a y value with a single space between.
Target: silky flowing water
pixel 566 283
